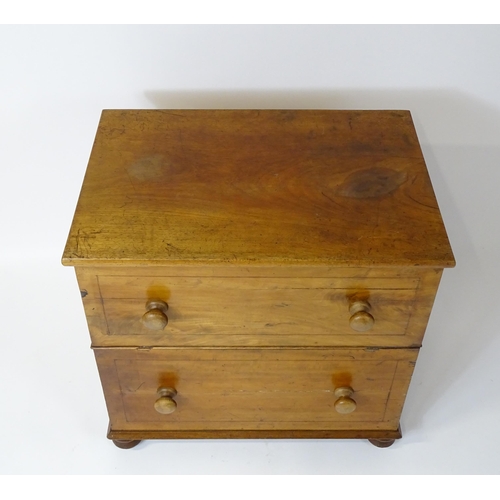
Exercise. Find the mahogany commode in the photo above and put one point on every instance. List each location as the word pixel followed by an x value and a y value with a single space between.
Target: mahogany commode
pixel 256 273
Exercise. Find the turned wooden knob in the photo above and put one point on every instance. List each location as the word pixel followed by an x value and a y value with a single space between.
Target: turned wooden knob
pixel 165 404
pixel 361 320
pixel 344 404
pixel 155 317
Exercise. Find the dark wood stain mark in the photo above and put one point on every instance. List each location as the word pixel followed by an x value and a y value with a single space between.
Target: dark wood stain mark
pixel 372 183
pixel 341 379
pixel 359 294
pixel 151 168
pixel 158 292
pixel 168 379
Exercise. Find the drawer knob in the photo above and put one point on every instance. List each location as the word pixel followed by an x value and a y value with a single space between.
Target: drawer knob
pixel 165 404
pixel 361 320
pixel 155 317
pixel 344 404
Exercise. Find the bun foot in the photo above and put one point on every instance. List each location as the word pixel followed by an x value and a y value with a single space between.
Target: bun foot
pixel 126 444
pixel 382 443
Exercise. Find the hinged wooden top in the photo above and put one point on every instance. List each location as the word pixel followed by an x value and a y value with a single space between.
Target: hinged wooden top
pixel 338 188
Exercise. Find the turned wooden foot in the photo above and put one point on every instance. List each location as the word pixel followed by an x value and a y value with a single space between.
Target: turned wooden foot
pixel 126 444
pixel 382 443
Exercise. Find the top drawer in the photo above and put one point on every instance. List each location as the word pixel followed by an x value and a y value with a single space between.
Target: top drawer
pixel 254 309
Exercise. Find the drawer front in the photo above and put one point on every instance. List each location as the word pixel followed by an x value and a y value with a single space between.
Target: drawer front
pixel 255 311
pixel 254 389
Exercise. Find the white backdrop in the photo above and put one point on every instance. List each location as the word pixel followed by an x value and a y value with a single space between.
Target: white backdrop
pixel 54 82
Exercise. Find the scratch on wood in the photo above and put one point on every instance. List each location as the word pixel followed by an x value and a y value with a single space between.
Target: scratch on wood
pixel 422 204
pixel 84 242
pixel 138 387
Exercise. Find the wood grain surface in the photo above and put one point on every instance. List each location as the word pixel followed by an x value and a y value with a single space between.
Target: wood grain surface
pixel 261 310
pixel 341 188
pixel 254 389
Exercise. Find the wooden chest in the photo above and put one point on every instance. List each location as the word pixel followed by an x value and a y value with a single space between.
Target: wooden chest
pixel 256 273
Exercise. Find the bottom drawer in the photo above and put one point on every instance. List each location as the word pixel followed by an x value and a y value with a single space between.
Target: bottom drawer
pixel 162 389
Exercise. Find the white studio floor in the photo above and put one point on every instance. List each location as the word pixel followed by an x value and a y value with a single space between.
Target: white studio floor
pixel 55 420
